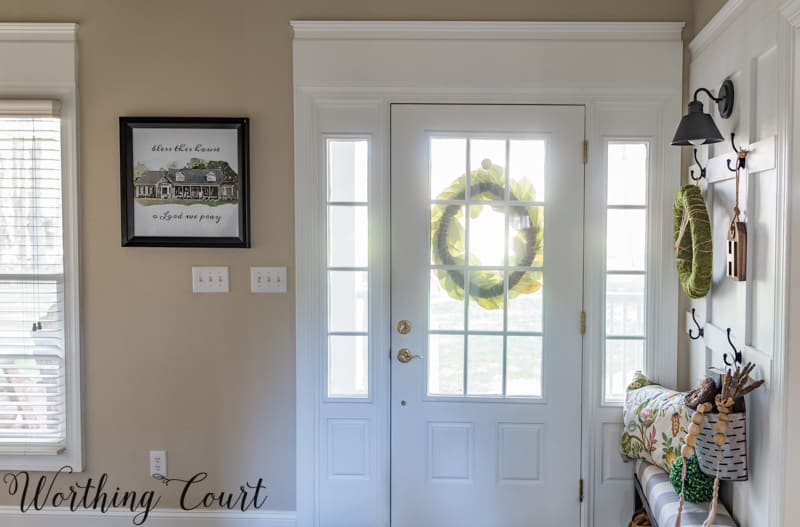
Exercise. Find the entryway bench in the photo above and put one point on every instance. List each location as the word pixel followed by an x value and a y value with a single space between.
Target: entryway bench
pixel 654 492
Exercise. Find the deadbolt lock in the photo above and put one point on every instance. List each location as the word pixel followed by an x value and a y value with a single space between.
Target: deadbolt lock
pixel 405 355
pixel 404 327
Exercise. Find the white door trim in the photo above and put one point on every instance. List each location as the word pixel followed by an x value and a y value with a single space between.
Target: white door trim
pixel 345 76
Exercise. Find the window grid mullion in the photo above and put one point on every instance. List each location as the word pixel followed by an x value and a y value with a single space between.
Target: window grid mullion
pixel 610 393
pixel 355 391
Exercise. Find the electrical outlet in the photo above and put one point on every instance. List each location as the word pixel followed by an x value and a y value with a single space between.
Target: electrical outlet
pixel 158 463
pixel 267 279
pixel 210 280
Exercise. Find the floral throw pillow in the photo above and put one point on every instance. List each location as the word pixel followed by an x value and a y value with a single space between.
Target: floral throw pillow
pixel 639 380
pixel 654 423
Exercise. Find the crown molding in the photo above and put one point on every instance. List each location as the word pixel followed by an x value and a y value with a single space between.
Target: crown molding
pixel 791 12
pixel 425 30
pixel 717 24
pixel 61 32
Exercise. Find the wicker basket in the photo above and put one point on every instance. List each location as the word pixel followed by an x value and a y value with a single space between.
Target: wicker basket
pixel 733 455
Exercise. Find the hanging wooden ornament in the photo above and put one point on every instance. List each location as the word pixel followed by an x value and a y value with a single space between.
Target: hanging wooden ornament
pixel 737 251
pixel 736 259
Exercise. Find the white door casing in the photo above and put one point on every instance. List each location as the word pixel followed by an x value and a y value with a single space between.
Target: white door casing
pixel 479 459
pixel 346 76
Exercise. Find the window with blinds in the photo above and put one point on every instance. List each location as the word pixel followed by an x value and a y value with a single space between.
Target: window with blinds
pixel 32 328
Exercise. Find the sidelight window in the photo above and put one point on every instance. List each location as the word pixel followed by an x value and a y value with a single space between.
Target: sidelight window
pixel 626 269
pixel 347 267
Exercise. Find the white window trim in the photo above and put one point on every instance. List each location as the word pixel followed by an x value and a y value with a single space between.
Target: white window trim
pixel 345 78
pixel 53 52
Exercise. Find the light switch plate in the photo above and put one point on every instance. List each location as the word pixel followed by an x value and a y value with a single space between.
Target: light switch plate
pixel 267 279
pixel 210 280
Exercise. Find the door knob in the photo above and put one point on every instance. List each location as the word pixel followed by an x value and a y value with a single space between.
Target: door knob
pixel 404 327
pixel 405 355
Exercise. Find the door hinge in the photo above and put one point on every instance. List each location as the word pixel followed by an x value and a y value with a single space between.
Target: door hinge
pixel 580 490
pixel 583 322
pixel 585 151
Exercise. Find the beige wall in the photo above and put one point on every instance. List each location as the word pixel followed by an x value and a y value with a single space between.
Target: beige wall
pixel 210 378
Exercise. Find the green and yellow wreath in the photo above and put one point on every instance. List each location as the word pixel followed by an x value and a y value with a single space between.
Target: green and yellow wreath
pixel 448 245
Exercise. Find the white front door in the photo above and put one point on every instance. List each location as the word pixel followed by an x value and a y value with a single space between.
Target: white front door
pixel 487 273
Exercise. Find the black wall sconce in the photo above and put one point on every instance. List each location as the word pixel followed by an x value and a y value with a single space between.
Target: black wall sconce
pixel 697 127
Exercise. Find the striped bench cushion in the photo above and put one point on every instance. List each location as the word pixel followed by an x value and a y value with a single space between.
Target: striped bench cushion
pixel 663 500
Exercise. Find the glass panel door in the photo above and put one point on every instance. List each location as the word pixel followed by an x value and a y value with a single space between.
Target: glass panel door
pixel 487 266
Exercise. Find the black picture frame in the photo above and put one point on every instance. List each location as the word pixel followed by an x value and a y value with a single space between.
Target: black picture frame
pixel 126 127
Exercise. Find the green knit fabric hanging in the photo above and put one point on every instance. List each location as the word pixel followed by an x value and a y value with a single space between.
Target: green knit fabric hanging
pixel 699 487
pixel 693 244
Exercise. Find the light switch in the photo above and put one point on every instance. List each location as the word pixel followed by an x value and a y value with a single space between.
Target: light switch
pixel 267 279
pixel 210 280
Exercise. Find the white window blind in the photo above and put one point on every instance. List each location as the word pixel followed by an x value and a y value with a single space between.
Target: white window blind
pixel 32 339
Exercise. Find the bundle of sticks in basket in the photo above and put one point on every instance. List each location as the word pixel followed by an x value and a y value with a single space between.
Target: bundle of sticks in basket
pixel 734 386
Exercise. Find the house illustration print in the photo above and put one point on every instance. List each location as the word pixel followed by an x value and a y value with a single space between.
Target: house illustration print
pixel 186 185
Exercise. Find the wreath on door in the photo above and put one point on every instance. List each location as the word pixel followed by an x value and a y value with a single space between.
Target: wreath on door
pixel 693 243
pixel 448 245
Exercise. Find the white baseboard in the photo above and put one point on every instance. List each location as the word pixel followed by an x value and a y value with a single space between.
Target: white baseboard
pixel 12 516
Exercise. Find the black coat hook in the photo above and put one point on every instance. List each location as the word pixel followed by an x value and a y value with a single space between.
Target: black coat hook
pixel 702 169
pixel 741 156
pixel 699 329
pixel 736 356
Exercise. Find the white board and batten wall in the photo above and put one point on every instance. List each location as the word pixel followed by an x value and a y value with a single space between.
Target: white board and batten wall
pixel 791 38
pixel 751 43
pixel 346 75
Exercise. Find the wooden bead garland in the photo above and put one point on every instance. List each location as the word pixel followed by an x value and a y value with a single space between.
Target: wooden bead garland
pixel 687 450
pixel 735 385
pixel 724 404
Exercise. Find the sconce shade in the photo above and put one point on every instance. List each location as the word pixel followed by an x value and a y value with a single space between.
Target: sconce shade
pixel 696 128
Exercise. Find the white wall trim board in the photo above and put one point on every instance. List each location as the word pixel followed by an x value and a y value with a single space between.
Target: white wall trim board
pixel 785 161
pixel 761 60
pixel 791 12
pixel 424 30
pixel 346 75
pixel 54 32
pixel 157 518
pixel 762 156
pixel 717 24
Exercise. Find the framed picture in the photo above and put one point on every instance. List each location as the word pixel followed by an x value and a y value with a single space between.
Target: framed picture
pixel 185 181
